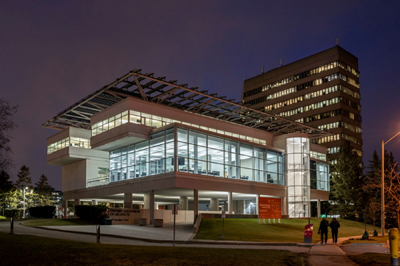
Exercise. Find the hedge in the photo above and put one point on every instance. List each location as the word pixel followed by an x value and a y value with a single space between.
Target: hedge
pixel 42 212
pixel 13 213
pixel 91 213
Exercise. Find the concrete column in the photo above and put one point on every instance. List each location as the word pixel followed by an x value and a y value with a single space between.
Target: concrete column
pixel 152 203
pixel 183 203
pixel 319 208
pixel 196 204
pixel 128 200
pixel 257 196
pixel 230 203
pixel 94 202
pixel 149 201
pixel 285 206
pixel 76 202
pixel 146 200
pixel 214 204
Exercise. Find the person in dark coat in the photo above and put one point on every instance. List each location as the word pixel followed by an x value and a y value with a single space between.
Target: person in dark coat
pixel 323 230
pixel 334 225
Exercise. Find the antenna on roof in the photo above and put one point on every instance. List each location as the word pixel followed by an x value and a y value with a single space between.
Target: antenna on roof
pixel 281 62
pixel 262 69
pixel 337 41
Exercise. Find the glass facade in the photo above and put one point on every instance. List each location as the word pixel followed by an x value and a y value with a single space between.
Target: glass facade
pixel 67 142
pixel 155 121
pixel 151 157
pixel 319 175
pixel 207 154
pixel 197 153
pixel 298 177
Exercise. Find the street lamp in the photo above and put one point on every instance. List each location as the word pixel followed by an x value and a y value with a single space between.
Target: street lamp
pixel 383 185
pixel 23 216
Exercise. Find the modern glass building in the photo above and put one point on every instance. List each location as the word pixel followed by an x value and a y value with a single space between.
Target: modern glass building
pixel 142 142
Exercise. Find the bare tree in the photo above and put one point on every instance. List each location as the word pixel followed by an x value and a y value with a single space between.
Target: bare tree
pixel 373 209
pixel 392 190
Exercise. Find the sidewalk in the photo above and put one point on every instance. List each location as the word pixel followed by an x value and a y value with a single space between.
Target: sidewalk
pixel 334 255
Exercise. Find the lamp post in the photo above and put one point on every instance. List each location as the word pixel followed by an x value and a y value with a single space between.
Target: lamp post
pixel 383 185
pixel 23 216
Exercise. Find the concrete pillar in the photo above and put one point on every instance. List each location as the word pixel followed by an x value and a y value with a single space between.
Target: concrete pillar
pixel 319 208
pixel 152 203
pixel 183 203
pixel 230 203
pixel 257 196
pixel 214 203
pixel 149 202
pixel 128 200
pixel 196 204
pixel 146 200
pixel 94 202
pixel 285 206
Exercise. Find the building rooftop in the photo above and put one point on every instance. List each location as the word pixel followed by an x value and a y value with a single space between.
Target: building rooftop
pixel 158 90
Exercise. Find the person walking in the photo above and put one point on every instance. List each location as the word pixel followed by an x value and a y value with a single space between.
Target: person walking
pixel 323 230
pixel 334 225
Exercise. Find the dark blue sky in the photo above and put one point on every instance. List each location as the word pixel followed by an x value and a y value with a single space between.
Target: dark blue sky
pixel 54 53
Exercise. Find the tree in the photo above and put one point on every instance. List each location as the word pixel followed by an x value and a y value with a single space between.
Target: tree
pixel 43 190
pixel 6 189
pixel 373 209
pixel 24 178
pixel 347 182
pixel 6 125
pixel 371 194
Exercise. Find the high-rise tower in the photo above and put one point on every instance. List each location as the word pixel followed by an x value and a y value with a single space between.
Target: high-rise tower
pixel 321 90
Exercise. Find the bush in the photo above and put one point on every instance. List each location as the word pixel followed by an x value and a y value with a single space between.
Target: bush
pixel 42 212
pixel 91 213
pixel 13 213
pixel 2 217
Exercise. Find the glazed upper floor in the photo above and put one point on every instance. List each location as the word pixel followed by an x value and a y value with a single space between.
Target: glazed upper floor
pixel 133 120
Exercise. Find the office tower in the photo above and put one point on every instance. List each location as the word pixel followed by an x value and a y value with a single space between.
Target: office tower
pixel 321 90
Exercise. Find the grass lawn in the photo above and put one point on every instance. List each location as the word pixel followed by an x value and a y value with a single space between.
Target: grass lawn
pixel 48 251
pixel 289 230
pixel 51 222
pixel 370 259
pixel 372 239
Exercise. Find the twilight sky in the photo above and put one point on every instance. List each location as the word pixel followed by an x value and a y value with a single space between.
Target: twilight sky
pixel 54 53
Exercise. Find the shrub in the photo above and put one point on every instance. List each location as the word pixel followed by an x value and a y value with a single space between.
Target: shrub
pixel 91 213
pixel 2 217
pixel 13 213
pixel 42 211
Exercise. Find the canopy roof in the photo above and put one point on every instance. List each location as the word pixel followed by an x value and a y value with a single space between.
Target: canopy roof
pixel 157 90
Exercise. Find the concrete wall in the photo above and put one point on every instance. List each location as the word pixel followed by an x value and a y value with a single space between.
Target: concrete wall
pixel 74 176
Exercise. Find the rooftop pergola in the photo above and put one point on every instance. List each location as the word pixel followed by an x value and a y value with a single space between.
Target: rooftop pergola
pixel 158 90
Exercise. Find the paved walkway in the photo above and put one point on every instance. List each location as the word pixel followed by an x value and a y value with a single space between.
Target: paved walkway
pixel 327 254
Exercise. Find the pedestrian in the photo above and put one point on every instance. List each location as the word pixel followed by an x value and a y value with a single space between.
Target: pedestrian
pixel 334 225
pixel 323 230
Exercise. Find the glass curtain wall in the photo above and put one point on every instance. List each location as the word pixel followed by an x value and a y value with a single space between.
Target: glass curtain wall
pixel 319 175
pixel 152 157
pixel 206 154
pixel 197 153
pixel 298 176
